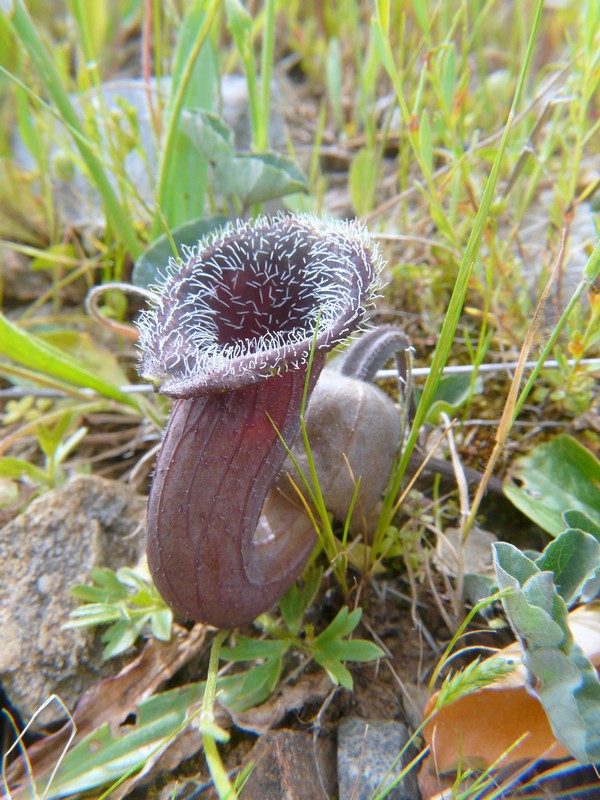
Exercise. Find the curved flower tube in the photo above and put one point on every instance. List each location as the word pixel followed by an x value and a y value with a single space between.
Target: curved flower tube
pixel 230 336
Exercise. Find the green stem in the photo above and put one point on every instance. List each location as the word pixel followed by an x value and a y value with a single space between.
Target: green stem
pixel 487 601
pixel 218 773
pixel 266 68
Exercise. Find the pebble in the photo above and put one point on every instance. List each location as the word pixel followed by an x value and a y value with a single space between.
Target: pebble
pixel 368 760
pixel 44 552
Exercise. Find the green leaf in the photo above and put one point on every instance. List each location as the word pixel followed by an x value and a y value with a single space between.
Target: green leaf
pixel 352 650
pixel 249 177
pixel 92 615
pixel 512 562
pixel 89 594
pixel 184 173
pixel 18 468
pixel 533 623
pixel 125 601
pixel 135 579
pixel 107 754
pixel 295 602
pixel 361 181
pixel 448 75
pixel 250 688
pixel 343 624
pixel 239 22
pixel 453 391
pixel 31 351
pixel 49 438
pixel 568 689
pixel 109 581
pixel 338 673
pixel 46 68
pixel 425 142
pixel 209 134
pixel 563 679
pixel 121 636
pixel 423 14
pixel 257 177
pixel 246 649
pixel 579 519
pixel 555 477
pixel 573 557
pixel 161 623
pixel 154 260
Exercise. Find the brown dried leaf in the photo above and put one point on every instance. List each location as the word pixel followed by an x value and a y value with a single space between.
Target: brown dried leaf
pixel 479 728
pixel 114 698
pixel 308 689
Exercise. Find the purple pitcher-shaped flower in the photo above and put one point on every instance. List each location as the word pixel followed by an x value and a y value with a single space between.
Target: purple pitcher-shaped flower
pixel 230 336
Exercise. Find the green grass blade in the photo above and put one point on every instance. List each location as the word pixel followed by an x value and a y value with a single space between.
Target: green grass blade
pixel 451 320
pixel 167 179
pixel 29 38
pixel 34 353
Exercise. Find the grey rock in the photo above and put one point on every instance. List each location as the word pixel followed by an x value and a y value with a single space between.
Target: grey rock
pixel 235 111
pixel 50 547
pixel 368 759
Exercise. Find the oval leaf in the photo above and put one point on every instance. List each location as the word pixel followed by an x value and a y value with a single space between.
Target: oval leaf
pixel 556 476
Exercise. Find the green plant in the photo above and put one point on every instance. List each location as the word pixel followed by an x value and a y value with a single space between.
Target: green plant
pixel 56 446
pixel 537 597
pixel 330 649
pixel 127 602
pixel 557 476
pixel 403 118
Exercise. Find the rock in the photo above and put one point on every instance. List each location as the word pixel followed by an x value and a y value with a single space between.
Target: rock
pixel 50 547
pixel 20 284
pixel 285 766
pixel 476 554
pixel 235 110
pixel 368 760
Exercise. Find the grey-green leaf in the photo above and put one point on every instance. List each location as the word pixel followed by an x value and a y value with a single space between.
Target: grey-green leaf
pixel 257 177
pixel 561 676
pixel 208 133
pixel 573 557
pixel 148 267
pixel 579 519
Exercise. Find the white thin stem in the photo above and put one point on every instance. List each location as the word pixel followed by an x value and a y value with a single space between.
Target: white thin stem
pixel 143 388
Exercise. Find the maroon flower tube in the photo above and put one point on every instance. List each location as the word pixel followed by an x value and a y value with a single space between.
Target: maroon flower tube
pixel 230 337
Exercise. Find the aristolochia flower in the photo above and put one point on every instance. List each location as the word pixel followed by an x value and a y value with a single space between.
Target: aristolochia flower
pixel 246 301
pixel 231 331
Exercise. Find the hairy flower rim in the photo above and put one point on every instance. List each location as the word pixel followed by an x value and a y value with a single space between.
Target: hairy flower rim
pixel 245 302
